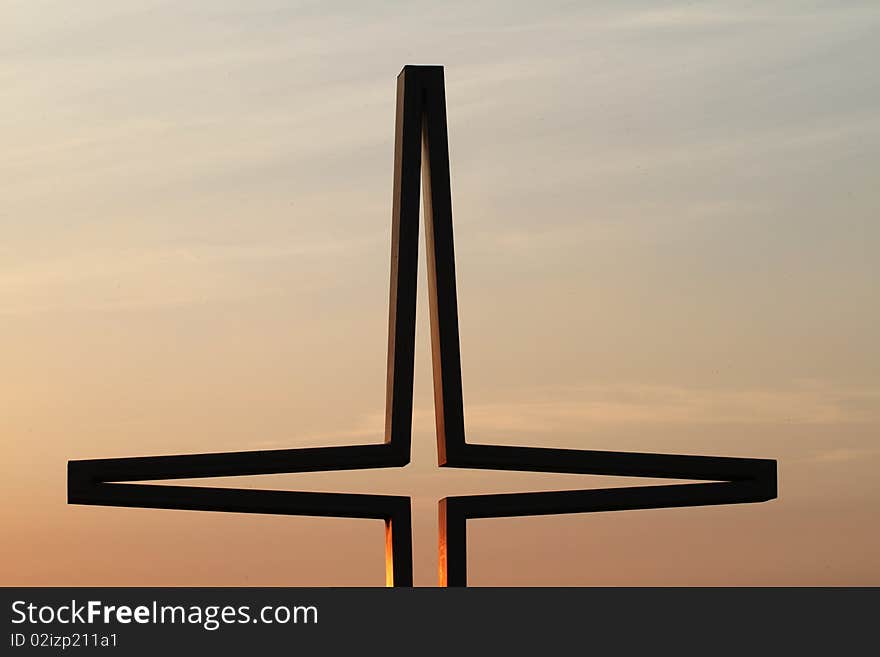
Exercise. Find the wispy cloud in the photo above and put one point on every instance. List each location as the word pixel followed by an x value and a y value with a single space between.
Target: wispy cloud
pixel 132 278
pixel 569 409
pixel 845 454
pixel 566 410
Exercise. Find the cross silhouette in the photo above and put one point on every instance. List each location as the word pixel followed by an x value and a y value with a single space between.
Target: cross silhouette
pixel 421 154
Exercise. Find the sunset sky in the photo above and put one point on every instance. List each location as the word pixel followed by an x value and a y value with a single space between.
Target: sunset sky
pixel 666 223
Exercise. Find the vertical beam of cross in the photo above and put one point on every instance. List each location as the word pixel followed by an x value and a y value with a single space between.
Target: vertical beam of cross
pixel 421 151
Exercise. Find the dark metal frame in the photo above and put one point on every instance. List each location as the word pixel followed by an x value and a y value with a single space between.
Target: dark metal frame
pixel 420 141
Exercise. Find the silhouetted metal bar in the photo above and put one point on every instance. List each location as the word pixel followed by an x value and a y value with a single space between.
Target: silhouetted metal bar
pixel 230 464
pixel 442 296
pixel 404 264
pixel 242 500
pixel 398 546
pixel 619 464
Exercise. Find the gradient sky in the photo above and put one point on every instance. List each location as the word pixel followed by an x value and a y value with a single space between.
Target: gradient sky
pixel 667 240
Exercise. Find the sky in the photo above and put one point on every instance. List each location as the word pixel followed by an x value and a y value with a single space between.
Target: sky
pixel 666 240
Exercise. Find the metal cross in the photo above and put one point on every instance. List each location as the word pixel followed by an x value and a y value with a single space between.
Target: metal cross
pixel 421 155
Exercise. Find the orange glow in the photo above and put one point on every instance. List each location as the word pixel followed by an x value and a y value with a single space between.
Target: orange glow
pixel 389 555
